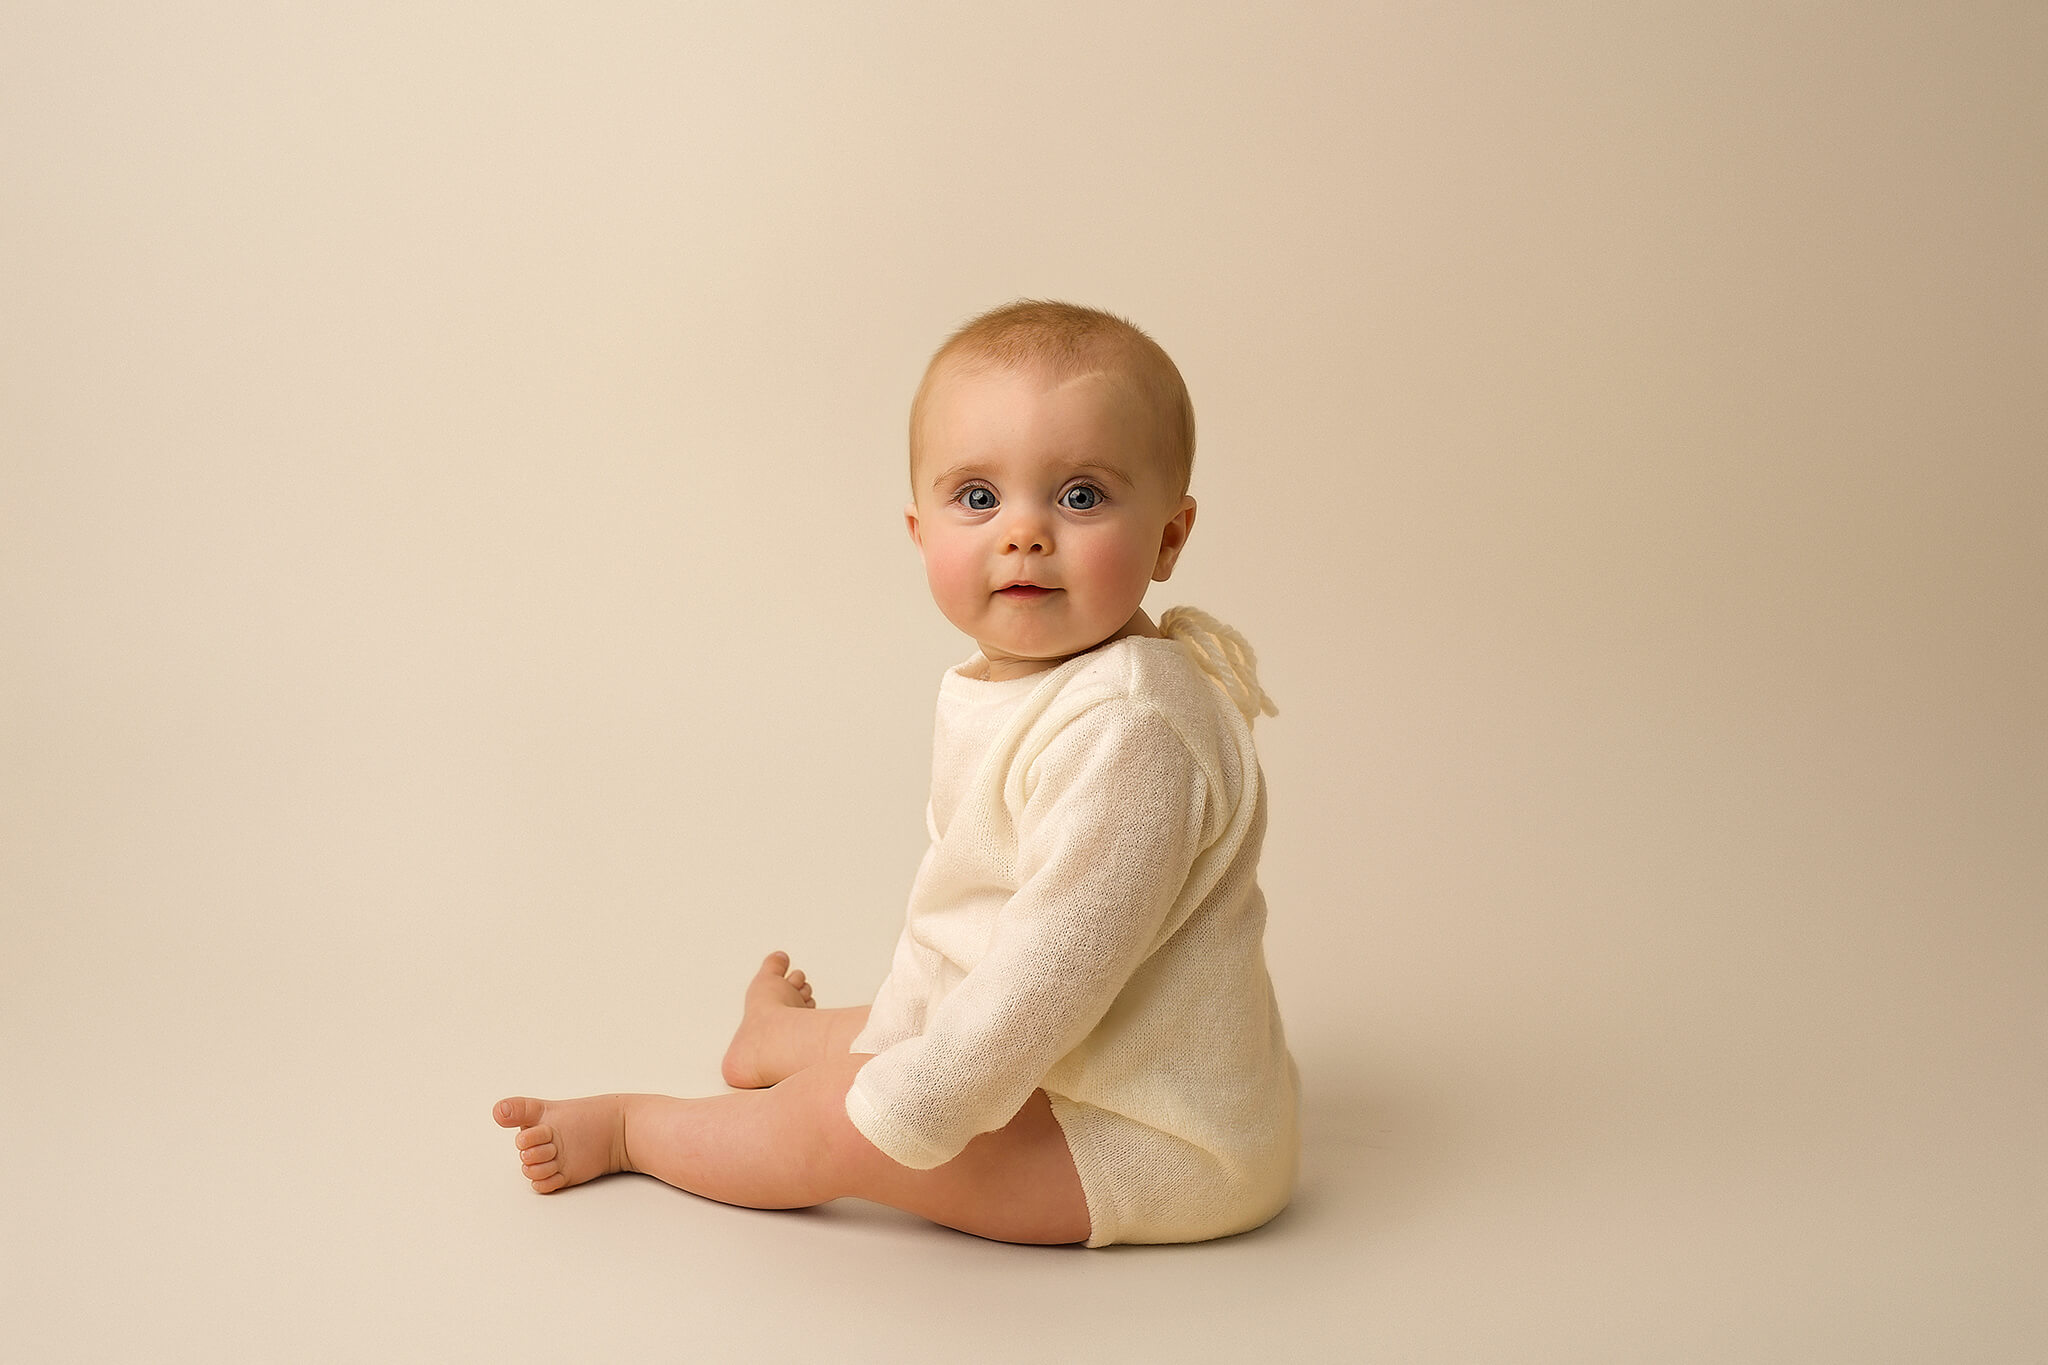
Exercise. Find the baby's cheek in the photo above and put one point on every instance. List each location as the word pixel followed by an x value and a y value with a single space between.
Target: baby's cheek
pixel 1121 563
pixel 950 569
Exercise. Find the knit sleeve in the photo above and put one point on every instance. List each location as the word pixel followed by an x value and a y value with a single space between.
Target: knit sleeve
pixel 1111 823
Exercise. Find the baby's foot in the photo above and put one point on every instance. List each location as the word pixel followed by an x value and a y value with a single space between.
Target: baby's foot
pixel 566 1142
pixel 748 1064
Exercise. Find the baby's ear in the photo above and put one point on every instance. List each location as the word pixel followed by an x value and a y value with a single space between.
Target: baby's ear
pixel 910 521
pixel 1173 538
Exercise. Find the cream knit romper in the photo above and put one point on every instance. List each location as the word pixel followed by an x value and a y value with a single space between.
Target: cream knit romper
pixel 1088 920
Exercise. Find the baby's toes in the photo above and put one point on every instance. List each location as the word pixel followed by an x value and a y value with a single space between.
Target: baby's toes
pixel 535 1136
pixel 546 1154
pixel 549 1185
pixel 519 1112
pixel 796 978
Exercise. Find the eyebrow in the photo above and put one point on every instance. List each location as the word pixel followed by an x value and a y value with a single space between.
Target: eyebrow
pixel 961 471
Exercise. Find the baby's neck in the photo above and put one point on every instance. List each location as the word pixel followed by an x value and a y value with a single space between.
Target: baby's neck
pixel 1003 670
pixel 1141 624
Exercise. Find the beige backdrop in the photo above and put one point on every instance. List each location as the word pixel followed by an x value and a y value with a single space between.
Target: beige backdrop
pixel 457 617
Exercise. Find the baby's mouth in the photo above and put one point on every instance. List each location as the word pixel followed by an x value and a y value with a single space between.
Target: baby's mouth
pixel 1025 591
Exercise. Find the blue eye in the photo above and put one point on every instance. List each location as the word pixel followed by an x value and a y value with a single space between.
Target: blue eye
pixel 1091 493
pixel 968 496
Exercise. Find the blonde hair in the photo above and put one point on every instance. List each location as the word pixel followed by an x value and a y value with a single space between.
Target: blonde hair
pixel 1067 339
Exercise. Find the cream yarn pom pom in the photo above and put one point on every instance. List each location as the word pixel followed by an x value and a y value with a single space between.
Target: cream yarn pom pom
pixel 1223 654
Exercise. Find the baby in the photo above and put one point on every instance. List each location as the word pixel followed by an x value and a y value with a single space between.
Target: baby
pixel 1077 1040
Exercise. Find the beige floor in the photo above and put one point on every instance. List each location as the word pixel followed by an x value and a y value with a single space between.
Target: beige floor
pixel 455 618
pixel 1657 1073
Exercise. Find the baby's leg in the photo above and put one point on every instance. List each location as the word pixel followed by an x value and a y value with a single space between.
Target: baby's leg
pixel 782 1031
pixel 792 1146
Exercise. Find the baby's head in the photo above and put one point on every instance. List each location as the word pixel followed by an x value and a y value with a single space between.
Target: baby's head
pixel 1065 340
pixel 1050 445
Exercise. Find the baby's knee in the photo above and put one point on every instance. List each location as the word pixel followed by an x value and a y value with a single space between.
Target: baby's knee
pixel 838 1159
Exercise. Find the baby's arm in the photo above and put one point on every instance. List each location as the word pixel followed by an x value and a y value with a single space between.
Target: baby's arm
pixel 1106 841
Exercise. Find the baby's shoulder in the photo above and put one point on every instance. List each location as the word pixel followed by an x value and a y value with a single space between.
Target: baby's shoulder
pixel 1150 681
pixel 1139 705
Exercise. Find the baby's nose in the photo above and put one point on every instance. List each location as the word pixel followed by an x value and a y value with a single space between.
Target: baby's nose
pixel 1028 530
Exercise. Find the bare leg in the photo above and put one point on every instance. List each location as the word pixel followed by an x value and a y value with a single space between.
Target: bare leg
pixel 792 1146
pixel 782 1031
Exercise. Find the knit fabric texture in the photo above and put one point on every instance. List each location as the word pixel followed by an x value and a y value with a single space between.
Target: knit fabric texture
pixel 1087 920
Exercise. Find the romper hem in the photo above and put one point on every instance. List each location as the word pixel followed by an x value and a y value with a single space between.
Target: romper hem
pixel 1251 1204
